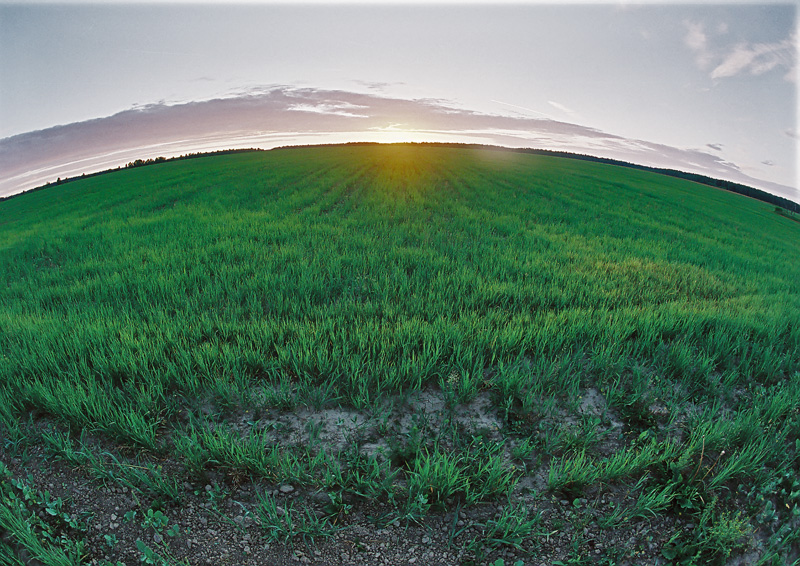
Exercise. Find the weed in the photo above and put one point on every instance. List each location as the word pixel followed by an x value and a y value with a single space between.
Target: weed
pixel 717 535
pixel 511 528
pixel 111 541
pixel 28 530
pixel 285 525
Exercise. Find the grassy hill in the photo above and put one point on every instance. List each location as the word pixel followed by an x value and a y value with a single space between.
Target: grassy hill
pixel 562 359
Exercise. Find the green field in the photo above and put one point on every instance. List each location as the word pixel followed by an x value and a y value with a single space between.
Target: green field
pixel 624 337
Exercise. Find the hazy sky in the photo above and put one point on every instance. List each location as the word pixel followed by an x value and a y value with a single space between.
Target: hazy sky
pixel 710 88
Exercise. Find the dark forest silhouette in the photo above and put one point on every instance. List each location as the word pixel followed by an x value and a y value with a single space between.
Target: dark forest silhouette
pixel 752 192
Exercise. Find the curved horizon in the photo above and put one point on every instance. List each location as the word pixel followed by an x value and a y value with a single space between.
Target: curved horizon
pixel 283 115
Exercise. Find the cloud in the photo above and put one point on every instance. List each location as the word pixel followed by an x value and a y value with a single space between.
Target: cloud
pixel 757 59
pixel 278 115
pixel 697 40
pixel 695 36
pixel 768 162
pixel 568 111
pixel 333 109
pixel 377 85
pixel 742 58
pixel 715 146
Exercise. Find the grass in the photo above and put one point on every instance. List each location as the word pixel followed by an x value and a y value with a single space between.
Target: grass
pixel 152 305
pixel 40 539
pixel 286 525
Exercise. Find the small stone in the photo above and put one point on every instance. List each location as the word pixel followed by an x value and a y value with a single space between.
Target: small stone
pixel 412 559
pixel 157 538
pixel 286 488
pixel 113 517
pixel 426 540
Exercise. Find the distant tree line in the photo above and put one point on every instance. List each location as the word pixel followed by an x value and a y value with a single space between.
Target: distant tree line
pixel 143 162
pixel 136 163
pixel 746 190
pixel 730 186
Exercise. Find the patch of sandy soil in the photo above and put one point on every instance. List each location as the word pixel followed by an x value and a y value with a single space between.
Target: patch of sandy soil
pixel 217 523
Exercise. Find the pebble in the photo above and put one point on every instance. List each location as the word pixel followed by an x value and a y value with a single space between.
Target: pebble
pixel 286 488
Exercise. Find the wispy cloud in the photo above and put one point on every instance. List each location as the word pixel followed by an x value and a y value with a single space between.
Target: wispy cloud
pixel 333 109
pixel 758 58
pixel 715 146
pixel 697 40
pixel 378 86
pixel 568 111
pixel 284 115
pixel 730 60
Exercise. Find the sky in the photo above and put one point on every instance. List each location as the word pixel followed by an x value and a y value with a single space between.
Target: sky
pixel 708 88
